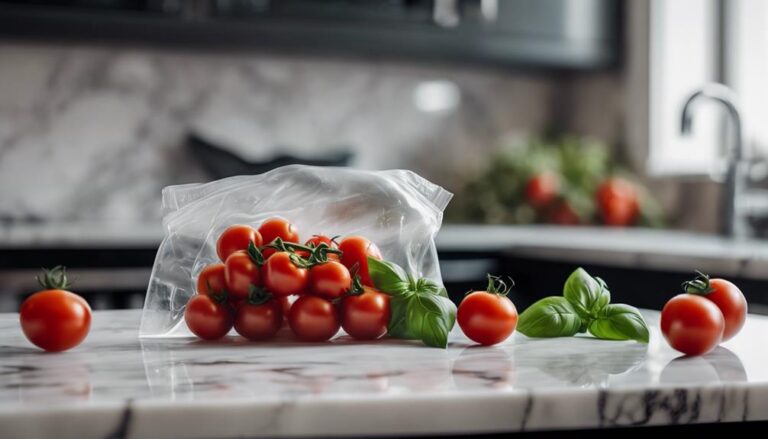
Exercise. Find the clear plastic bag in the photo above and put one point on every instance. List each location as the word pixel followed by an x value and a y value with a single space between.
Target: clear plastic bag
pixel 398 210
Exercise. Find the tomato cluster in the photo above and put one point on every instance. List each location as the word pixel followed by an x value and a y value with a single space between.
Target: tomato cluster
pixel 617 201
pixel 710 311
pixel 267 277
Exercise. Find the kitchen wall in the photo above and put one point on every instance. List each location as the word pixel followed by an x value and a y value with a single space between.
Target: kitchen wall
pixel 94 133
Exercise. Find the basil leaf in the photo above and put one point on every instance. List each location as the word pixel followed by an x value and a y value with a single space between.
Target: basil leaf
pixel 620 322
pixel 549 317
pixel 428 286
pixel 587 294
pixel 431 317
pixel 388 277
pixel 398 318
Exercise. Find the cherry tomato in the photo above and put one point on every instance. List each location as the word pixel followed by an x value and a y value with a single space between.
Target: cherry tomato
pixel 329 280
pixel 692 324
pixel 562 213
pixel 313 319
pixel 732 303
pixel 487 317
pixel 212 280
pixel 207 318
pixel 278 228
pixel 617 202
pixel 281 277
pixel 55 319
pixel 259 322
pixel 285 303
pixel 541 189
pixel 366 316
pixel 237 237
pixel 240 273
pixel 355 252
pixel 727 296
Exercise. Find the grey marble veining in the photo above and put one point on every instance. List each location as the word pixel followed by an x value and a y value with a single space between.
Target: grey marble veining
pixel 92 134
pixel 115 384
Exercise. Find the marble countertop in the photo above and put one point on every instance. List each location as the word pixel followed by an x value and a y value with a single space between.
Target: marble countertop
pixel 115 385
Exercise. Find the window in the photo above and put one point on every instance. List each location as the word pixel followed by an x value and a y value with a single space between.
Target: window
pixel 682 56
pixel 746 61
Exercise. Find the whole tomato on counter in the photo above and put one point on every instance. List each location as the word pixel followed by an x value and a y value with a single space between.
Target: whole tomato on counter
pixel 236 237
pixel 355 253
pixel 692 324
pixel 617 202
pixel 488 317
pixel 728 298
pixel 55 319
pixel 365 316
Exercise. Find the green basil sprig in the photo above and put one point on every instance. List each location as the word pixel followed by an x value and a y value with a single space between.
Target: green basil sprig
pixel 419 308
pixel 584 306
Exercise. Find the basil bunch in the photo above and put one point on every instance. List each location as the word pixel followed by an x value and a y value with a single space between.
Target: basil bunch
pixel 419 308
pixel 584 306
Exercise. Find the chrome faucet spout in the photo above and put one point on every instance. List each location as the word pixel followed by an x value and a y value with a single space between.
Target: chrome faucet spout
pixel 732 224
pixel 727 98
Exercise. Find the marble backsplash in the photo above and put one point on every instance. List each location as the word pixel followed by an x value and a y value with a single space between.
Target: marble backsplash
pixel 92 134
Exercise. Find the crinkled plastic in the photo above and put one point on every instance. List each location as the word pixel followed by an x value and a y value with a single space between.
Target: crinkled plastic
pixel 398 210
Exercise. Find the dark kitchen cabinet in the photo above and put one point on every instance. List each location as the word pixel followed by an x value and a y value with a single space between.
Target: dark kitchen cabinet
pixel 561 34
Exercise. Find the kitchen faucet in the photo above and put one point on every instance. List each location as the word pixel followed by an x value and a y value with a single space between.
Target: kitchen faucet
pixel 733 207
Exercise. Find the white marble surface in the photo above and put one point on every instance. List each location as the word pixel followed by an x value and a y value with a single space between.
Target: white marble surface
pixel 93 133
pixel 115 385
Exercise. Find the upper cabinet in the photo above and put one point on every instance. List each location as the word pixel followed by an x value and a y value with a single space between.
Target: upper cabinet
pixel 560 34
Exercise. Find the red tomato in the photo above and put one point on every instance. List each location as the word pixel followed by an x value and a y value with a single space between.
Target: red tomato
pixel 329 280
pixel 313 319
pixel 237 237
pixel 259 322
pixel 487 317
pixel 356 251
pixel 207 318
pixel 55 319
pixel 365 316
pixel 727 296
pixel 692 324
pixel 212 280
pixel 732 303
pixel 562 213
pixel 617 202
pixel 278 228
pixel 541 189
pixel 281 277
pixel 240 273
